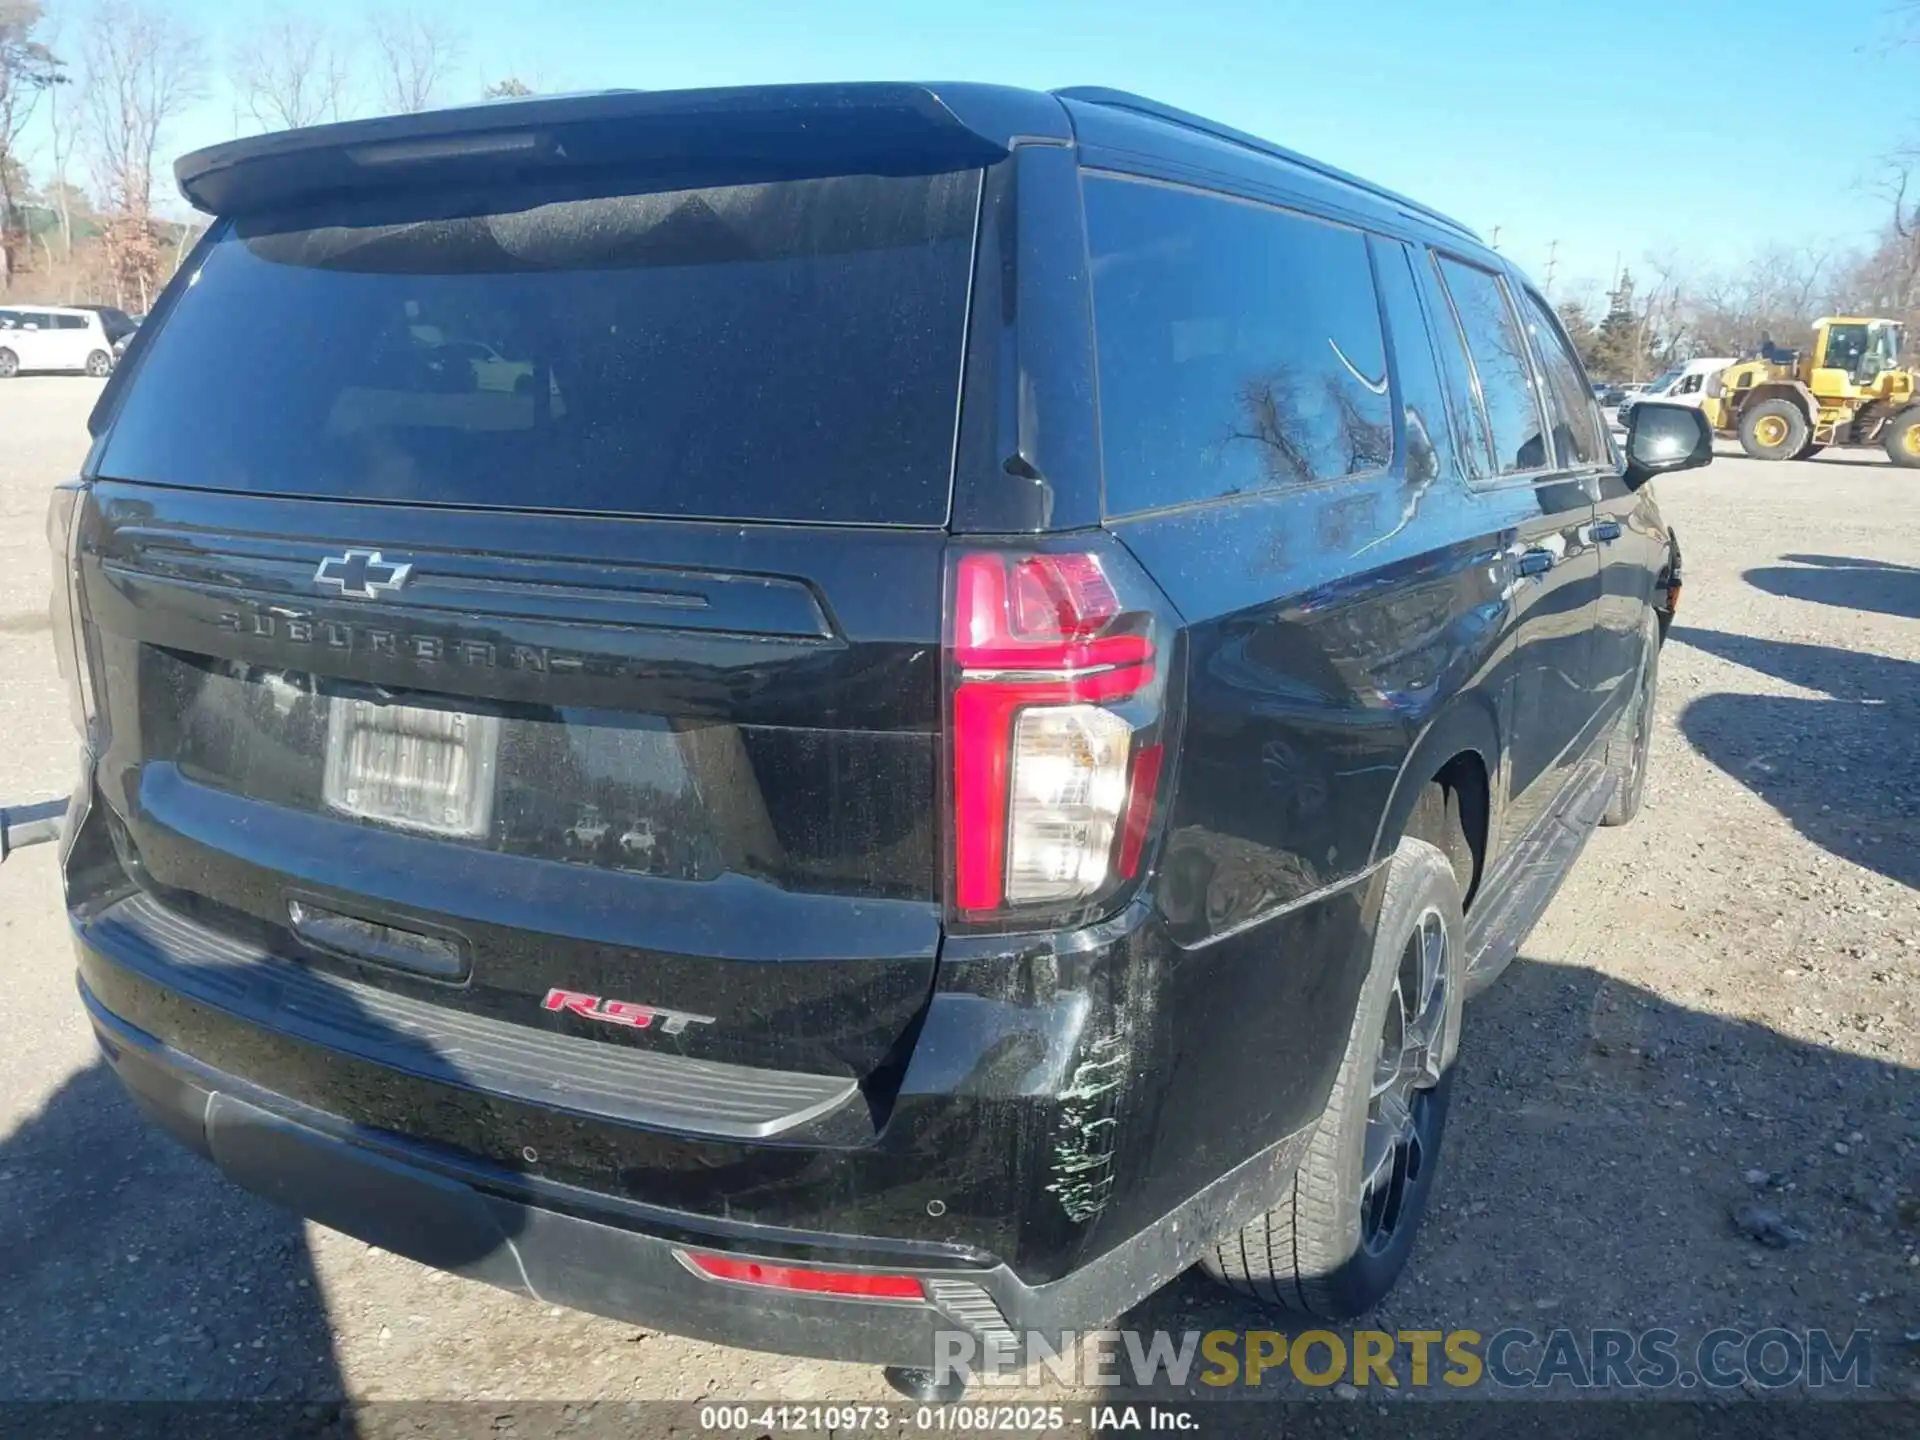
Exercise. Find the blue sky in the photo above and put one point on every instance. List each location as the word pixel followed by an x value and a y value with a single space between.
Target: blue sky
pixel 1614 129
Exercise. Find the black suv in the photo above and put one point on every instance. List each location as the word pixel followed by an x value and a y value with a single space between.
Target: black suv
pixel 817 715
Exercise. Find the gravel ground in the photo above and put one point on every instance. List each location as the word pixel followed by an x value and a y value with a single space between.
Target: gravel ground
pixel 1718 1009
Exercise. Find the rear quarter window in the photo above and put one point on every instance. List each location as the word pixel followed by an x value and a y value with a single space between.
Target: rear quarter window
pixel 781 351
pixel 1239 346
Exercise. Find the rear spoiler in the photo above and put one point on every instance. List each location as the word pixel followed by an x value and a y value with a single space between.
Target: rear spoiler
pixel 772 130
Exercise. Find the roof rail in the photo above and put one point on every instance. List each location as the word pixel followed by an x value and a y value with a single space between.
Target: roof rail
pixel 1123 100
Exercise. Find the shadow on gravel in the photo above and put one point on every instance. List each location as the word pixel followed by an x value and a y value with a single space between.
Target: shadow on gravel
pixel 1844 770
pixel 132 1271
pixel 1600 1140
pixel 1852 584
pixel 1876 459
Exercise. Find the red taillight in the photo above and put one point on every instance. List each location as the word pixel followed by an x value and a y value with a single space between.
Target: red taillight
pixel 857 1283
pixel 1060 597
pixel 1055 679
pixel 69 631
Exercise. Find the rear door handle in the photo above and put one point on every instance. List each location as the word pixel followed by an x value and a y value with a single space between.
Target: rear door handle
pixel 1606 530
pixel 1536 562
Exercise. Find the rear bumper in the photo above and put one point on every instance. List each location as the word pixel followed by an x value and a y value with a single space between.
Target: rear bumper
pixel 416 1203
pixel 369 1186
pixel 1053 1149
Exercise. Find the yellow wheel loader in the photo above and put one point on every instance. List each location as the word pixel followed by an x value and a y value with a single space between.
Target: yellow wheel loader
pixel 1848 389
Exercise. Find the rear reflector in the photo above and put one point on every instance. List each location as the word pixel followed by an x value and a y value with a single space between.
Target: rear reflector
pixel 1133 830
pixel 857 1284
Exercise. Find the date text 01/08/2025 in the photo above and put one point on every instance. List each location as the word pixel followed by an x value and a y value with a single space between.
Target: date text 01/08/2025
pixel 956 1419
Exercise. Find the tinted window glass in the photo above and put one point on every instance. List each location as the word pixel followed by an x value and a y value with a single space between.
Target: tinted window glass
pixel 785 351
pixel 1500 360
pixel 9 319
pixel 1474 440
pixel 39 319
pixel 1577 428
pixel 1420 392
pixel 1240 347
pixel 69 322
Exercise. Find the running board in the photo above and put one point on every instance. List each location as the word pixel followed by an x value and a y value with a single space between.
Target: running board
pixel 1525 879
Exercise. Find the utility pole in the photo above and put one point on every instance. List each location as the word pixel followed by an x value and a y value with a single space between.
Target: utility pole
pixel 1553 260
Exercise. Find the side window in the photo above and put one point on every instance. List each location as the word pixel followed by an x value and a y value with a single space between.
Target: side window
pixel 1500 361
pixel 1239 347
pixel 1577 429
pixel 69 322
pixel 39 319
pixel 1420 391
pixel 1473 438
pixel 1690 385
pixel 9 319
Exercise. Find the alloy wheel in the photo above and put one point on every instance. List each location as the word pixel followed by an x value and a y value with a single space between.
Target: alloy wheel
pixel 1400 1144
pixel 1636 758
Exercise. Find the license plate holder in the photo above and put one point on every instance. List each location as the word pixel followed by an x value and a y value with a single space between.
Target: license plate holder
pixel 411 766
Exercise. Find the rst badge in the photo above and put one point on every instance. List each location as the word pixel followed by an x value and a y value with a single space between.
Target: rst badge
pixel 622 1012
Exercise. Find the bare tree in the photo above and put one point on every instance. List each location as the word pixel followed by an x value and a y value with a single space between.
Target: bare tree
pixel 290 71
pixel 1663 313
pixel 28 70
pixel 60 139
pixel 144 67
pixel 416 56
pixel 1890 275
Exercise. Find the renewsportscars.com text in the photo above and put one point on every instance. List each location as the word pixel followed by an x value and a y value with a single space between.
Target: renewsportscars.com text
pixel 1511 1358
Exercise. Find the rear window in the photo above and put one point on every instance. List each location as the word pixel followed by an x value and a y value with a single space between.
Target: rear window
pixel 781 351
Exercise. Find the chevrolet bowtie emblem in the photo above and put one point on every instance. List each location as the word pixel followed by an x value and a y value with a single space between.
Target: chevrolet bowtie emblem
pixel 361 574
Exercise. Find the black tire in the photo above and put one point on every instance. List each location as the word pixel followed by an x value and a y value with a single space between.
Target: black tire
pixel 1808 451
pixel 1632 738
pixel 99 364
pixel 1903 438
pixel 1773 430
pixel 1320 1251
pixel 9 364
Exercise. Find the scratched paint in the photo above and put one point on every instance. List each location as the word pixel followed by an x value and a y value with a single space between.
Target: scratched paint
pixel 1084 1138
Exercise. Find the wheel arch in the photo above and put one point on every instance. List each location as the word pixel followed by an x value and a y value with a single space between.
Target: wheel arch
pixel 1791 390
pixel 1461 746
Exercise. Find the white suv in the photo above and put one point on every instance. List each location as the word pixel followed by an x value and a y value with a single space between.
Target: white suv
pixel 53 338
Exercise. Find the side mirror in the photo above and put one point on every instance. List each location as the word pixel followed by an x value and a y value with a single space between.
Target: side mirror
pixel 1662 437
